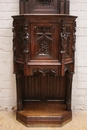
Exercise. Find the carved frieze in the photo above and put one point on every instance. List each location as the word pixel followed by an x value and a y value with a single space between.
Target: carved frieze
pixel 44 71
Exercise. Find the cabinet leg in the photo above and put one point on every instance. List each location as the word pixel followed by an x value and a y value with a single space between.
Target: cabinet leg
pixel 19 91
pixel 68 93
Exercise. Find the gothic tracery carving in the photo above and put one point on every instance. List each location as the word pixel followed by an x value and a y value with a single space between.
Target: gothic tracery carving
pixel 24 37
pixel 44 71
pixel 44 2
pixel 44 40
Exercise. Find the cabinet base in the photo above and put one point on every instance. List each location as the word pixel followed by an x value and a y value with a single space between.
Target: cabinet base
pixel 44 114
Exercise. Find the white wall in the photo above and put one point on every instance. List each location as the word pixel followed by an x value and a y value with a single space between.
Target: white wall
pixel 7 79
pixel 7 84
pixel 79 98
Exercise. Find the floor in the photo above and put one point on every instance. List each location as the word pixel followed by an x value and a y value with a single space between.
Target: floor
pixel 8 122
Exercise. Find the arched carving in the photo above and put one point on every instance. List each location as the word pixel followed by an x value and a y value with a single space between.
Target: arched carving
pixel 44 39
pixel 44 71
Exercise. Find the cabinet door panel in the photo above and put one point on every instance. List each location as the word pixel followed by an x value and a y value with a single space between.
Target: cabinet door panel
pixel 45 41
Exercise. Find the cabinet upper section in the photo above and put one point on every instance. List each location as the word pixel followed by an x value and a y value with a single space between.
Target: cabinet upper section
pixel 44 41
pixel 44 6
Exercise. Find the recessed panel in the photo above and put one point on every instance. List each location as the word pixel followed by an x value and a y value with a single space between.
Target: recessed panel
pixel 40 6
pixel 44 41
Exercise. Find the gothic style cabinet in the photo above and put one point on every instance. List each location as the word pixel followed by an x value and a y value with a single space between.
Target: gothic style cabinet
pixel 44 46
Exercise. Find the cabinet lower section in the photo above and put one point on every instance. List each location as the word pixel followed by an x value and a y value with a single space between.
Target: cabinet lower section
pixel 44 100
pixel 44 113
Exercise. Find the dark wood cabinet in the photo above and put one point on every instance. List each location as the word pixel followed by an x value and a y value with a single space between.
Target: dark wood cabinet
pixel 43 46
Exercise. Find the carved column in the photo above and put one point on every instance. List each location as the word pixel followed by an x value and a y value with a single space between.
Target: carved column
pixel 14 47
pixel 69 77
pixel 63 41
pixel 26 40
pixel 74 41
pixel 26 46
pixel 19 91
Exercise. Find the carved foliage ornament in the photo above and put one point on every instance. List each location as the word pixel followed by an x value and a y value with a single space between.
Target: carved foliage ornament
pixel 65 37
pixel 24 37
pixel 74 35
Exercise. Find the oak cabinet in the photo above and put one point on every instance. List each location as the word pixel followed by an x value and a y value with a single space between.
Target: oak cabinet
pixel 44 46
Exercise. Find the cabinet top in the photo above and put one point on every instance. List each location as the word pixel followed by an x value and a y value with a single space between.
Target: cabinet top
pixel 43 16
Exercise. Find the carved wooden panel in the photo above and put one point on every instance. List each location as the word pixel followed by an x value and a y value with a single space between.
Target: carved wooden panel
pixel 66 39
pixel 48 87
pixel 21 36
pixel 38 6
pixel 44 41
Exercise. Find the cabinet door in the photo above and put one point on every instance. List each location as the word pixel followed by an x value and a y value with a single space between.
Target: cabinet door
pixel 45 41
